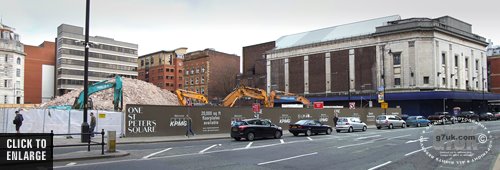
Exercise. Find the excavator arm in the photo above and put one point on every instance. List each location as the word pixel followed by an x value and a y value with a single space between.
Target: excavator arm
pixel 183 94
pixel 243 91
pixel 100 86
pixel 288 97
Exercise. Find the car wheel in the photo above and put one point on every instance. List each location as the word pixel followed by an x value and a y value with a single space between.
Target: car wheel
pixel 350 130
pixel 295 134
pixel 429 124
pixel 418 124
pixel 364 128
pixel 338 131
pixel 443 121
pixel 277 135
pixel 403 125
pixel 308 132
pixel 250 136
pixel 378 127
pixel 390 126
pixel 328 131
pixel 237 138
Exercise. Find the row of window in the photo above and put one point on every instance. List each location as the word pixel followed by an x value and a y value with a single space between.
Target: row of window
pixel 151 60
pixel 397 82
pixel 195 81
pixel 7 83
pixel 195 70
pixel 94 64
pixel 80 73
pixel 72 82
pixel 18 60
pixel 7 35
pixel 98 55
pixel 443 61
pixel 200 90
pixel 99 46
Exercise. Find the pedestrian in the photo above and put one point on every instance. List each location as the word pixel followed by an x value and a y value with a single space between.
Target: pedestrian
pixel 18 121
pixel 92 124
pixel 335 119
pixel 189 126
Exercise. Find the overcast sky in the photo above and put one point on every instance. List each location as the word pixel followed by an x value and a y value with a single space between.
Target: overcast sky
pixel 225 25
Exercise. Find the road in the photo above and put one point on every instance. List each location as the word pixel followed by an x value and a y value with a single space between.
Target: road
pixel 373 149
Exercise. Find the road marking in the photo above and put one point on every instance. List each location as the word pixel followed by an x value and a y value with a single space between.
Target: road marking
pixel 249 144
pixel 71 164
pixel 345 146
pixel 309 138
pixel 417 140
pixel 408 154
pixel 282 141
pixel 366 137
pixel 210 147
pixel 156 153
pixel 284 159
pixel 381 165
pixel 398 137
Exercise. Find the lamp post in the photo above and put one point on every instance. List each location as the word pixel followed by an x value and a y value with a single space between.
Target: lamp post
pixel 85 126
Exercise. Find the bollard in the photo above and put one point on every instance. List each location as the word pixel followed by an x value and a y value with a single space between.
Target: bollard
pixel 102 142
pixel 111 141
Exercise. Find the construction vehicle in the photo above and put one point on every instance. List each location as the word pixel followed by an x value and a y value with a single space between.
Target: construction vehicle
pixel 100 86
pixel 281 95
pixel 243 91
pixel 183 95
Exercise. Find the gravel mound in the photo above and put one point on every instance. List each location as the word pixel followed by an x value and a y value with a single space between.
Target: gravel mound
pixel 134 92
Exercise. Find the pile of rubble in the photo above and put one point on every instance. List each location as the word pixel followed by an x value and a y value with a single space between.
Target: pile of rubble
pixel 134 92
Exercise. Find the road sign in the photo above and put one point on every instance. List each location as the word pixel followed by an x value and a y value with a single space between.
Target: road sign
pixel 381 97
pixel 318 105
pixel 352 105
pixel 384 105
pixel 256 107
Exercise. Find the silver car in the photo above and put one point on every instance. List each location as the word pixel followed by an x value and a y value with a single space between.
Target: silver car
pixel 350 124
pixel 389 121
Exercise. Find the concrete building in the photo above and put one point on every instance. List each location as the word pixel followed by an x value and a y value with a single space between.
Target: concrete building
pixel 211 73
pixel 11 66
pixel 424 65
pixel 39 72
pixel 254 65
pixel 107 58
pixel 163 69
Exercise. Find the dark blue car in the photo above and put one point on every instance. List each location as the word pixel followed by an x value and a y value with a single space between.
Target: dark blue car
pixel 417 121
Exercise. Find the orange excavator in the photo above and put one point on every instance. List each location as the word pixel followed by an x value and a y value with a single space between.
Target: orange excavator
pixel 281 95
pixel 182 95
pixel 243 91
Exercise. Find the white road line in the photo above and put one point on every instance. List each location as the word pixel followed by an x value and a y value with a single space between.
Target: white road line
pixel 309 138
pixel 408 154
pixel 284 159
pixel 249 144
pixel 367 137
pixel 381 165
pixel 206 149
pixel 494 130
pixel 71 164
pixel 398 137
pixel 345 146
pixel 282 141
pixel 156 153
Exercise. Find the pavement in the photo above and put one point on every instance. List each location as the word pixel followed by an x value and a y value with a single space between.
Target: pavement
pixel 373 149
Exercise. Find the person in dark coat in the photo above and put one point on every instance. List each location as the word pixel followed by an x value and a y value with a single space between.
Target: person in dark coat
pixel 335 119
pixel 18 121
pixel 189 126
pixel 92 124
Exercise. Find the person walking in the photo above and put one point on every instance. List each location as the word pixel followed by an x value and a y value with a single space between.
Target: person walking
pixel 189 126
pixel 92 124
pixel 335 119
pixel 18 121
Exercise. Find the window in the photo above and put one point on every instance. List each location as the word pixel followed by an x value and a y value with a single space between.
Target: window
pixel 411 43
pixel 18 84
pixel 6 57
pixel 142 62
pixel 192 71
pixel 467 84
pixel 397 58
pixel 18 72
pixel 456 60
pixel 466 62
pixel 397 81
pixel 197 70
pixel 202 79
pixel 18 60
pixel 5 99
pixel 444 81
pixel 187 72
pixel 443 58
pixel 5 83
pixel 202 90
pixel 477 84
pixel 456 82
pixel 202 69
pixel 477 64
pixel 191 80
pixel 426 80
pixel 197 80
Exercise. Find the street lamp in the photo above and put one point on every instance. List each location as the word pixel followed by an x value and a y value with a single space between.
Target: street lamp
pixel 85 126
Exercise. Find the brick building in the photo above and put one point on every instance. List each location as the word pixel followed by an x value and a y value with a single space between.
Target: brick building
pixel 494 73
pixel 254 64
pixel 39 72
pixel 211 73
pixel 163 68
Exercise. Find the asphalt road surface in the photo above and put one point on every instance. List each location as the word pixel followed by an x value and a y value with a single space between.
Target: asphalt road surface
pixel 374 149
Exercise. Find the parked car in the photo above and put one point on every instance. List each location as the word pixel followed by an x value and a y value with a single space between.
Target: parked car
pixel 389 121
pixel 309 127
pixel 251 129
pixel 350 124
pixel 442 118
pixel 417 121
pixel 467 116
pixel 486 116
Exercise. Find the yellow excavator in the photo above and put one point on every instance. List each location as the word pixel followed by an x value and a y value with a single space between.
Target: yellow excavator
pixel 182 95
pixel 243 91
pixel 281 95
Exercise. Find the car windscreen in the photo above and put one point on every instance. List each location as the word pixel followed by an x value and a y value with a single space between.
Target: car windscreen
pixel 343 120
pixel 239 123
pixel 412 118
pixel 301 122
pixel 381 118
